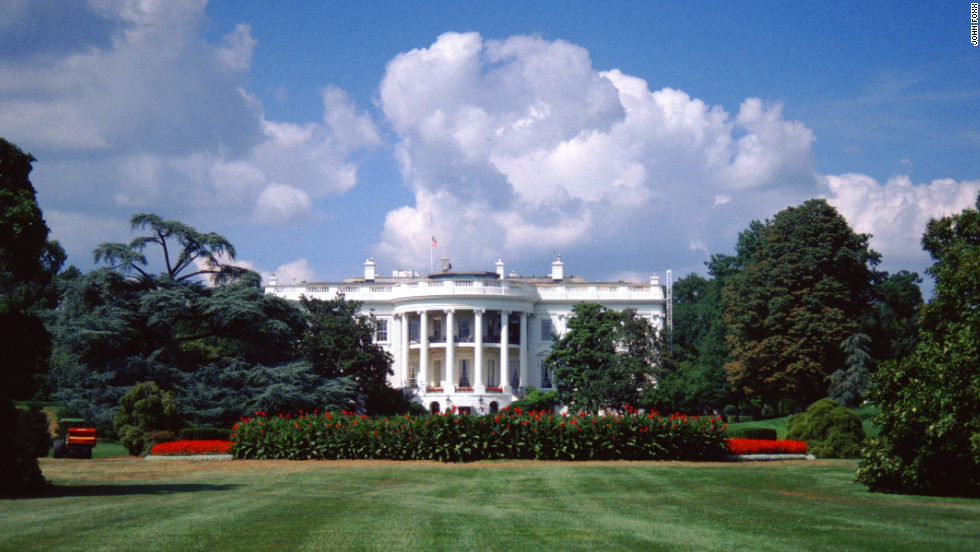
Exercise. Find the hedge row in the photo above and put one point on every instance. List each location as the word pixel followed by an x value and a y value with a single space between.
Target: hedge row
pixel 765 446
pixel 510 434
pixel 763 433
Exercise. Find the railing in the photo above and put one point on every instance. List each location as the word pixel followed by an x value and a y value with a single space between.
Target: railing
pixel 476 287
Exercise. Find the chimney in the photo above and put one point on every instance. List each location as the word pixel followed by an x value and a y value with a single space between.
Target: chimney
pixel 557 269
pixel 500 268
pixel 369 267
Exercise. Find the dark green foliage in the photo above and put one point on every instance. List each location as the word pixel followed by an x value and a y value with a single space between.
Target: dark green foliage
pixel 339 343
pixel 195 249
pixel 606 359
pixel 144 409
pixel 929 438
pixel 218 394
pixel 803 282
pixel 204 434
pixel 509 434
pixel 33 430
pixel 28 264
pixel 766 433
pixel 893 322
pixel 119 326
pixel 695 380
pixel 535 400
pixel 828 429
pixel 155 437
pixel 849 384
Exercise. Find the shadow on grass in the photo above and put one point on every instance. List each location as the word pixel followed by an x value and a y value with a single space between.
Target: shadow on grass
pixel 62 491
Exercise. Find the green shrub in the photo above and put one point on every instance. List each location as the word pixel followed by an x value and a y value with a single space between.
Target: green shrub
pixel 204 434
pixel 828 429
pixel 536 400
pixel 143 409
pixel 151 438
pixel 33 431
pixel 766 433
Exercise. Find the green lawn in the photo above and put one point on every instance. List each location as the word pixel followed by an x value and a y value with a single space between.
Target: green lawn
pixel 134 504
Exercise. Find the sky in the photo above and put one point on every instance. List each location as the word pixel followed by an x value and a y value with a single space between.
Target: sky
pixel 630 138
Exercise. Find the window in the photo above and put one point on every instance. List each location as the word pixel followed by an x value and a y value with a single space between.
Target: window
pixel 381 330
pixel 492 378
pixel 546 329
pixel 437 330
pixel 413 374
pixel 464 331
pixel 437 372
pixel 413 330
pixel 464 378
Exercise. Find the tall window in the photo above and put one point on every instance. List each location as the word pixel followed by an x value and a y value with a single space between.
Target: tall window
pixel 437 372
pixel 437 330
pixel 381 330
pixel 464 377
pixel 413 330
pixel 464 330
pixel 413 374
pixel 492 380
pixel 546 329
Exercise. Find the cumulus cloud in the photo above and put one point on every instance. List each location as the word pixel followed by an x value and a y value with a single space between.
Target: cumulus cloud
pixel 896 213
pixel 151 116
pixel 519 147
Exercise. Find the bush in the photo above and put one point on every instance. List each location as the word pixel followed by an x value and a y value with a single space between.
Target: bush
pixel 204 434
pixel 763 433
pixel 33 431
pixel 509 434
pixel 536 401
pixel 828 429
pixel 142 410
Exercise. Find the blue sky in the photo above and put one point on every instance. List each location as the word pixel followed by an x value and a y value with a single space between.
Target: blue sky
pixel 630 137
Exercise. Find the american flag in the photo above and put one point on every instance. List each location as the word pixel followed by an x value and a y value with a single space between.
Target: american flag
pixel 434 243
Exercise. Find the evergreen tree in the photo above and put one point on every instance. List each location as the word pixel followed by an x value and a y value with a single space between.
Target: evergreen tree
pixel 28 264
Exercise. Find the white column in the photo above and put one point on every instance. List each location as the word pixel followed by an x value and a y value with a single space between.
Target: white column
pixel 449 379
pixel 523 358
pixel 479 385
pixel 505 351
pixel 406 349
pixel 424 348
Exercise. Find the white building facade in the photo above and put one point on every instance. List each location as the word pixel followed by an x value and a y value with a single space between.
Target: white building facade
pixel 476 340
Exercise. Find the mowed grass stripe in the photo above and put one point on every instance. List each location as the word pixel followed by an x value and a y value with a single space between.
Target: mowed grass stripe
pixel 254 505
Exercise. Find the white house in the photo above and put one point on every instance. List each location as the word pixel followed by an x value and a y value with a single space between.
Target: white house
pixel 476 340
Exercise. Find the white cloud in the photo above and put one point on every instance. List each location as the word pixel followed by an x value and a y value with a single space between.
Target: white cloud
pixel 519 147
pixel 896 213
pixel 292 272
pixel 281 203
pixel 156 118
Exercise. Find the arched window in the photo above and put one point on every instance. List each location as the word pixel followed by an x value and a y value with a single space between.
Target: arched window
pixel 494 407
pixel 434 407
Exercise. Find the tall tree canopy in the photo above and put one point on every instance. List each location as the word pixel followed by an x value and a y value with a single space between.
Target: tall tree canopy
pixel 695 379
pixel 803 284
pixel 28 264
pixel 196 254
pixel 606 359
pixel 121 325
pixel 339 342
pixel 929 440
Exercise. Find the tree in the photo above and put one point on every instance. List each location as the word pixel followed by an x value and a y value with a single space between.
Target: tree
pixel 198 250
pixel 28 264
pixel 696 379
pixel 121 325
pixel 848 385
pixel 339 343
pixel 929 439
pixel 606 359
pixel 893 321
pixel 803 283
